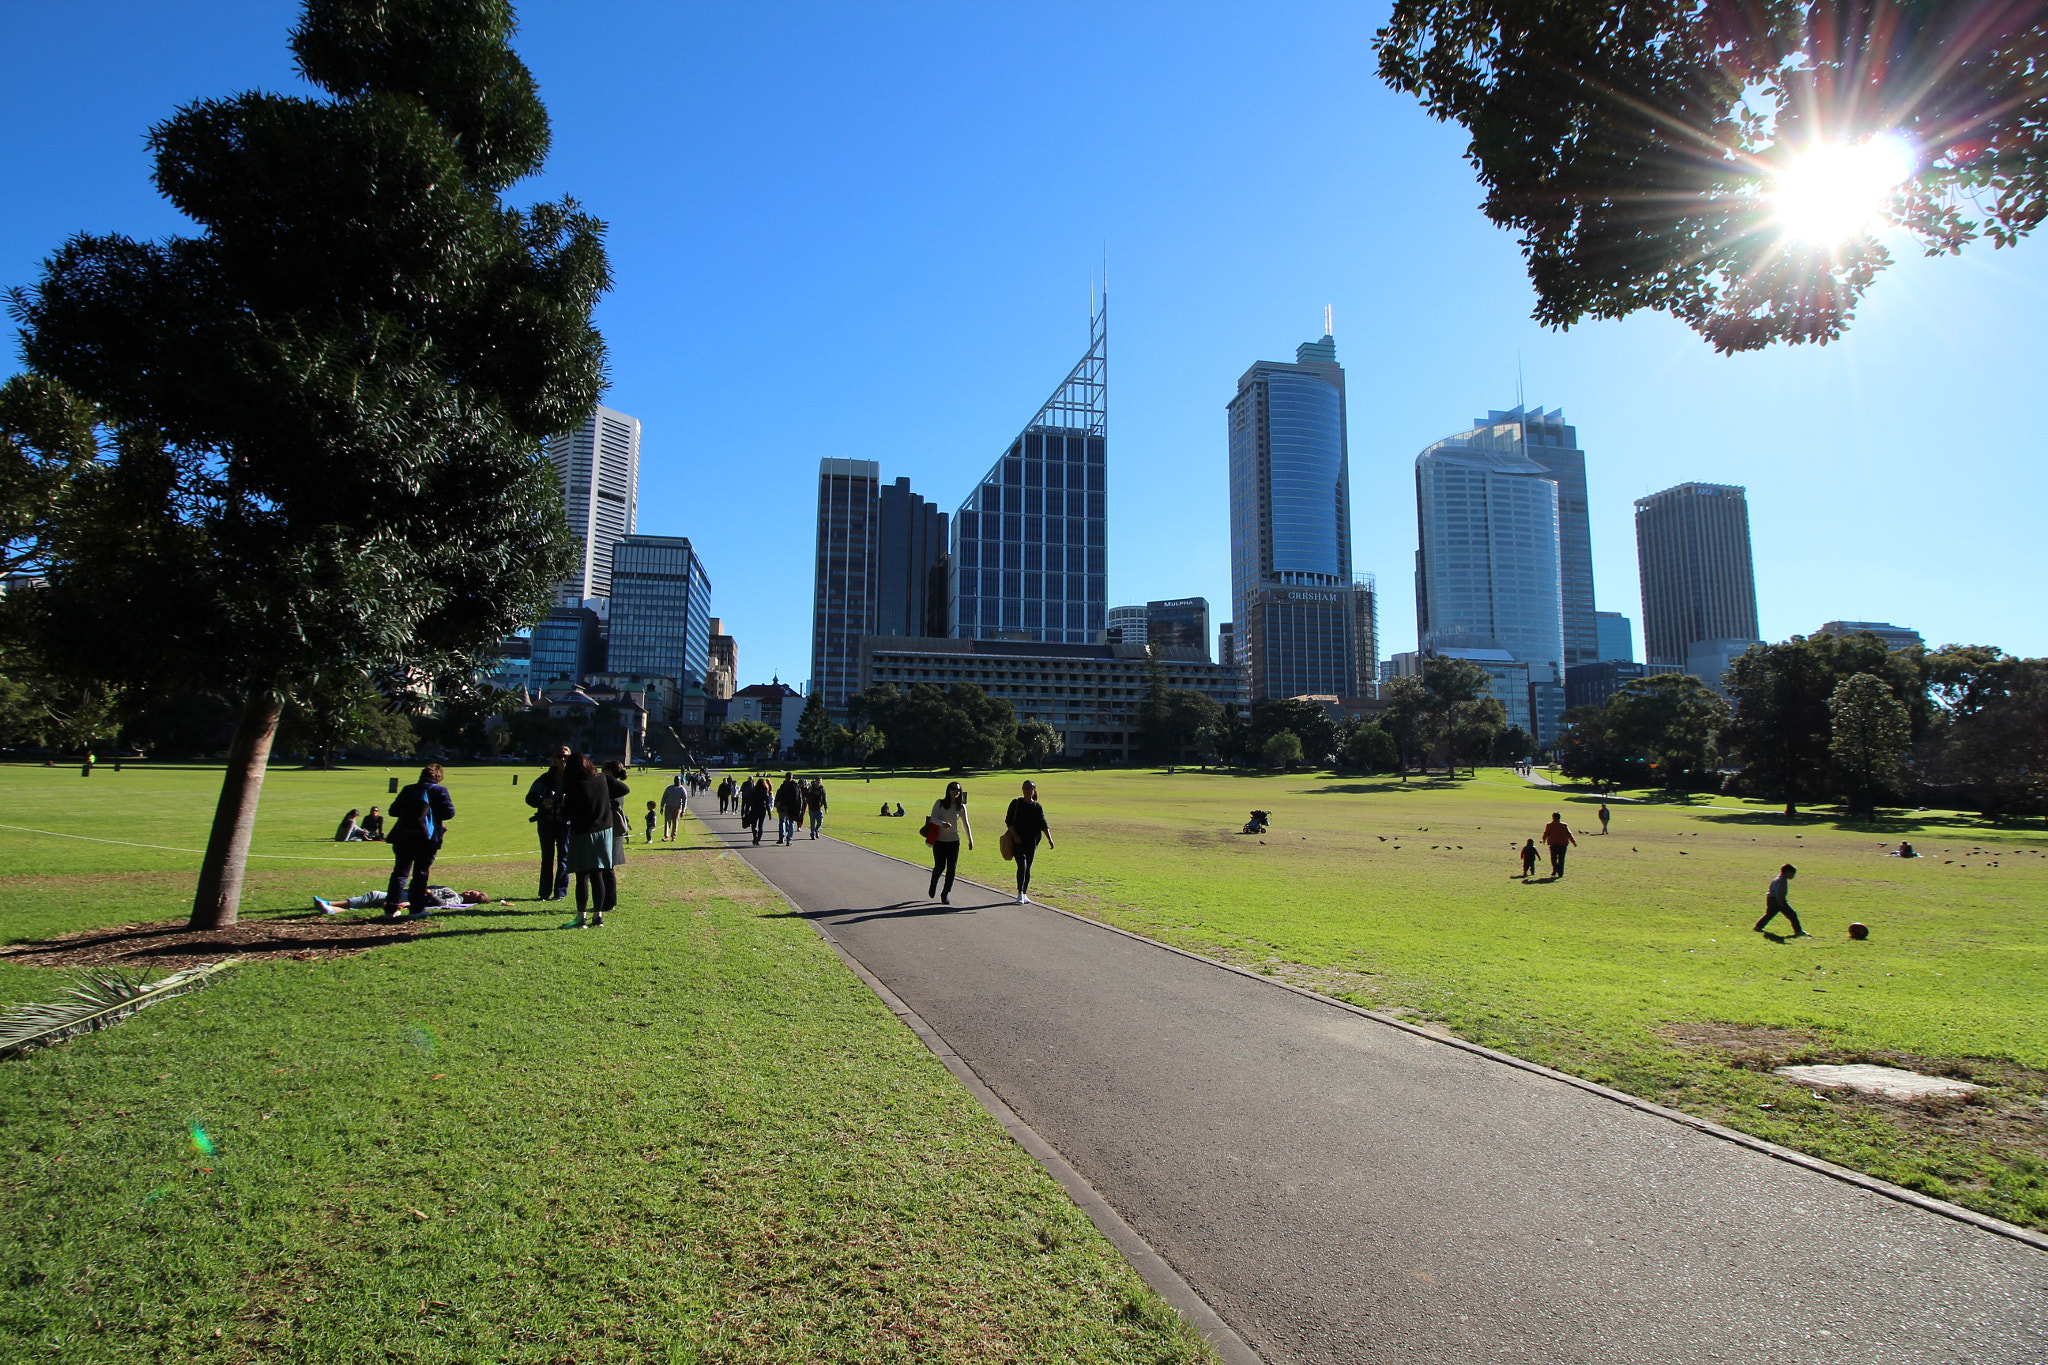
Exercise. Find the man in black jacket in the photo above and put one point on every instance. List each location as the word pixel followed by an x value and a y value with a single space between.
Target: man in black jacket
pixel 419 820
pixel 545 796
pixel 789 809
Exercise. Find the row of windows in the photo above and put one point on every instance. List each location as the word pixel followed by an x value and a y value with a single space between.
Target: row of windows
pixel 1073 502
pixel 1028 613
pixel 1015 555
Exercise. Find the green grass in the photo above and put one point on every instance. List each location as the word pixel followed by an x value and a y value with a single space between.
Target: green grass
pixel 1639 970
pixel 690 1136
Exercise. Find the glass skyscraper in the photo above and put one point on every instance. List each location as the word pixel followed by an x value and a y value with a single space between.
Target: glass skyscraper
pixel 880 571
pixel 1029 558
pixel 1298 607
pixel 1699 582
pixel 660 610
pixel 599 464
pixel 1549 442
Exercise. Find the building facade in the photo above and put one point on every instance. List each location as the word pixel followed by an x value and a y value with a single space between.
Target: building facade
pixel 775 704
pixel 847 574
pixel 1616 637
pixel 1294 598
pixel 722 675
pixel 660 620
pixel 1179 623
pixel 1488 564
pixel 1593 684
pixel 599 465
pixel 1699 582
pixel 565 646
pixel 1226 645
pixel 1549 442
pixel 1029 552
pixel 1894 637
pixel 1127 626
pixel 1091 694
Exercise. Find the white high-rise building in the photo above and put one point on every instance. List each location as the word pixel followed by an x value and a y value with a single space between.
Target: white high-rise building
pixel 599 463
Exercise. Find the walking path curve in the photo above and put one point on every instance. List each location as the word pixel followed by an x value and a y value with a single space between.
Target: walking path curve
pixel 1344 1190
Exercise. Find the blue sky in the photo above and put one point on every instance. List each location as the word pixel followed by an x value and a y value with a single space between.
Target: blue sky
pixel 869 232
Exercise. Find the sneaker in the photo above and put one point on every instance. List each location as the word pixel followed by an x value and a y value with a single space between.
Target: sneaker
pixel 326 907
pixel 1023 899
pixel 597 921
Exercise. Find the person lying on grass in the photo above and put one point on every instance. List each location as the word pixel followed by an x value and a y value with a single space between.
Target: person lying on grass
pixel 438 898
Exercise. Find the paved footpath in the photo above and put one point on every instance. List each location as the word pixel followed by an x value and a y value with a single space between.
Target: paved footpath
pixel 1341 1190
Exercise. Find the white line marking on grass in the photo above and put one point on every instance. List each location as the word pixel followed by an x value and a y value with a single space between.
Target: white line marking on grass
pixel 299 857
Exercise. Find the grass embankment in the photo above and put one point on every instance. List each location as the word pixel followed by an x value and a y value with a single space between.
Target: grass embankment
pixel 1638 970
pixel 689 1136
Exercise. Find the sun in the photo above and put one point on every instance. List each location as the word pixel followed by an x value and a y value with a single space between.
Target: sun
pixel 1832 191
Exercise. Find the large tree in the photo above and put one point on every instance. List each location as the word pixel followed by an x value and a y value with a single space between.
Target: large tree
pixel 1783 730
pixel 1672 720
pixel 1870 731
pixel 1642 150
pixel 327 407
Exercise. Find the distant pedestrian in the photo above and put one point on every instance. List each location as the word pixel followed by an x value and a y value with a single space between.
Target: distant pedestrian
pixel 754 802
pixel 814 804
pixel 789 809
pixel 1528 860
pixel 949 813
pixel 1559 838
pixel 419 821
pixel 1778 901
pixel 672 799
pixel 1025 823
pixel 545 795
pixel 591 812
pixel 1605 816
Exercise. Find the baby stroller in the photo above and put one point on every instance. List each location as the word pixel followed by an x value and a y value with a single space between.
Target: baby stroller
pixel 1257 824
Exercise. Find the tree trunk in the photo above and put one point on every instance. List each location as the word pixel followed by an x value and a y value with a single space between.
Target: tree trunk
pixel 234 819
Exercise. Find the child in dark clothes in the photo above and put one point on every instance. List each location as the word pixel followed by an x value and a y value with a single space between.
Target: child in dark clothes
pixel 1529 859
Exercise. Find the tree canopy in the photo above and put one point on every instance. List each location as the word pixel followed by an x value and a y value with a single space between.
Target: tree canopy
pixel 1635 147
pixel 324 411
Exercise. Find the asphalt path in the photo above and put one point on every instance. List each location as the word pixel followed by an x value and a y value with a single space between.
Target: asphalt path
pixel 1342 1190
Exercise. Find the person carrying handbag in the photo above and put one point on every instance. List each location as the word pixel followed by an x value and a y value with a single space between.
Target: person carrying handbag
pixel 942 830
pixel 1023 826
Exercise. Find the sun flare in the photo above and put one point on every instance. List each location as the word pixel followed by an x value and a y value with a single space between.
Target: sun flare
pixel 1834 190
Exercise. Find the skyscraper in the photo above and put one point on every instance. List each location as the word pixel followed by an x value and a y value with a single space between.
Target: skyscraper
pixel 1617 638
pixel 1126 626
pixel 1294 599
pixel 1179 623
pixel 880 571
pixel 1692 549
pixel 1029 557
pixel 661 610
pixel 599 464
pixel 1549 442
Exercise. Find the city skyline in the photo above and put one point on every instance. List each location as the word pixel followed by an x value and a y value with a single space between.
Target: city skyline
pixel 752 341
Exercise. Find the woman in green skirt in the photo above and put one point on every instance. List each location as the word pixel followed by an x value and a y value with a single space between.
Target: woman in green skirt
pixel 589 808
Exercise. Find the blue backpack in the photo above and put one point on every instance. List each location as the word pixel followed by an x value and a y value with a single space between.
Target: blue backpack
pixel 413 813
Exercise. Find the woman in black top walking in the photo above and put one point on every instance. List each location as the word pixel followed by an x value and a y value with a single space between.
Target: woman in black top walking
pixel 590 810
pixel 1026 822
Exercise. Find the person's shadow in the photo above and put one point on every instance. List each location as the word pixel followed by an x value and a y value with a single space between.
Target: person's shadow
pixel 900 910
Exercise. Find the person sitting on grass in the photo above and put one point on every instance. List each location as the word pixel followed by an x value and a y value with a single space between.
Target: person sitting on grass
pixel 348 831
pixel 373 826
pixel 1528 860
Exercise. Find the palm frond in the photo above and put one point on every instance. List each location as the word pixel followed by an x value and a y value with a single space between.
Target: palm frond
pixel 95 1000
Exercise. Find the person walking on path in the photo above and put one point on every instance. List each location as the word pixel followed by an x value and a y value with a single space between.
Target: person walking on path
pixel 1559 838
pixel 754 805
pixel 672 798
pixel 544 794
pixel 949 813
pixel 592 813
pixel 814 804
pixel 1025 823
pixel 1528 860
pixel 1778 901
pixel 419 821
pixel 1605 816
pixel 789 809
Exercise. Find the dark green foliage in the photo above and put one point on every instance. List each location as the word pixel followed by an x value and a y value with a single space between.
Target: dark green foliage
pixel 753 740
pixel 1513 744
pixel 1370 749
pixel 47 434
pixel 1869 733
pixel 340 713
pixel 1038 741
pixel 1783 729
pixel 1995 744
pixel 959 727
pixel 1307 721
pixel 1170 720
pixel 1632 146
pixel 1671 720
pixel 817 738
pixel 1588 751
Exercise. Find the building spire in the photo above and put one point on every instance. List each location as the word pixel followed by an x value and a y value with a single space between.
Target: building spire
pixel 1328 330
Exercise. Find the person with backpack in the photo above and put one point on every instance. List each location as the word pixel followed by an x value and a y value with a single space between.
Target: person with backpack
pixel 419 820
pixel 545 796
pixel 789 809
pixel 814 804
pixel 592 814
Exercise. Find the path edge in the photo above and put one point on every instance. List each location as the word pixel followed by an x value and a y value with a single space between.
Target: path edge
pixel 1152 1268
pixel 1955 1212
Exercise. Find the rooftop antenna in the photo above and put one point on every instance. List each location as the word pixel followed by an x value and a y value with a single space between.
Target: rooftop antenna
pixel 1521 407
pixel 1328 330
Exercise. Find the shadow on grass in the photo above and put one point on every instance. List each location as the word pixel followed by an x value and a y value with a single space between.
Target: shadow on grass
pixel 1389 784
pixel 1904 822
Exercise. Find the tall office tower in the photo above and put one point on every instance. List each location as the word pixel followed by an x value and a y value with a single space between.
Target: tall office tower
pixel 1126 626
pixel 1293 596
pixel 1617 638
pixel 881 561
pixel 721 678
pixel 1548 442
pixel 1029 544
pixel 661 610
pixel 843 597
pixel 1692 549
pixel 567 644
pixel 1488 566
pixel 910 579
pixel 599 463
pixel 1226 644
pixel 1179 623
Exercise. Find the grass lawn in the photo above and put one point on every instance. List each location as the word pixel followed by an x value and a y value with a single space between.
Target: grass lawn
pixel 1638 970
pixel 689 1136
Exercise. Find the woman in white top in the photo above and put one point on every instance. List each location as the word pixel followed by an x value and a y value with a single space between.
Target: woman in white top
pixel 949 813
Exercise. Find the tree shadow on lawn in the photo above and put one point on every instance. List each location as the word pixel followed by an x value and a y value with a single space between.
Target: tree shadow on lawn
pixel 1389 784
pixel 1950 822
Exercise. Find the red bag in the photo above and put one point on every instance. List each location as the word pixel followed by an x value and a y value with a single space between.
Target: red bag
pixel 931 831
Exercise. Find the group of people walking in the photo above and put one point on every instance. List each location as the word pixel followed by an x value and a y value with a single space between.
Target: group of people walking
pixel 793 803
pixel 1024 827
pixel 578 812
